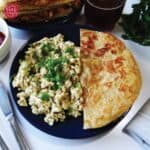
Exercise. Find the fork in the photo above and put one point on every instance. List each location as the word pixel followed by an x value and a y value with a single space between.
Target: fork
pixel 9 114
pixel 3 144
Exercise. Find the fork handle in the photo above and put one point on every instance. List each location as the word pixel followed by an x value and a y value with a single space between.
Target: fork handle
pixel 18 134
pixel 3 144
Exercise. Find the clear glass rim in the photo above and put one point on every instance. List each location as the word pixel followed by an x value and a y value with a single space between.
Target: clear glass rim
pixel 105 8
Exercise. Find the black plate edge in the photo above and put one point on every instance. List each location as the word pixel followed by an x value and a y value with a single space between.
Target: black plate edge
pixel 105 128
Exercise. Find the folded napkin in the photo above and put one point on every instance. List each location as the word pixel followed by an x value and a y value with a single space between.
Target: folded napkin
pixel 139 127
pixel 7 134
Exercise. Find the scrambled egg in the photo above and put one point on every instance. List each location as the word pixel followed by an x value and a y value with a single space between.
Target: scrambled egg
pixel 48 79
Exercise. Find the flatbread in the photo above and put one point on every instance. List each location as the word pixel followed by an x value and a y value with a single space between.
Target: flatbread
pixel 110 78
pixel 32 5
pixel 41 10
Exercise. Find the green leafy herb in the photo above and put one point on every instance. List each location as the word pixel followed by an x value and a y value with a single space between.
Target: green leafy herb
pixel 69 111
pixel 137 24
pixel 71 51
pixel 41 62
pixel 48 47
pixel 44 96
pixel 55 71
pixel 78 85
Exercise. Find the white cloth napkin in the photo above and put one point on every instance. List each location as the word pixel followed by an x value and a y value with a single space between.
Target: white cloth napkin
pixel 6 133
pixel 4 75
pixel 139 127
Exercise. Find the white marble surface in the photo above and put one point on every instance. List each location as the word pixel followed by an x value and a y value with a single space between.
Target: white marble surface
pixel 39 140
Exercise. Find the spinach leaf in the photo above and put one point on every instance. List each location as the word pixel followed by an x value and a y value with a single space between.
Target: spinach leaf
pixel 137 24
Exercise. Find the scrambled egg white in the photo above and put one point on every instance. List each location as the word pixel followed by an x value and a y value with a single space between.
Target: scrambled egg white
pixel 48 79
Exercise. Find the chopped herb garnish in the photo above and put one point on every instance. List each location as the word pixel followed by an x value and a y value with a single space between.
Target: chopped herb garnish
pixel 41 62
pixel 69 110
pixel 48 47
pixel 71 51
pixel 55 71
pixel 44 96
pixel 78 85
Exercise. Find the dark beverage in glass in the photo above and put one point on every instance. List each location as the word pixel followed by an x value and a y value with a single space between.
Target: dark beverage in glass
pixel 103 13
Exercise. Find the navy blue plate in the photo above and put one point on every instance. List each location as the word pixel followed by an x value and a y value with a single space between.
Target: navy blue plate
pixel 71 128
